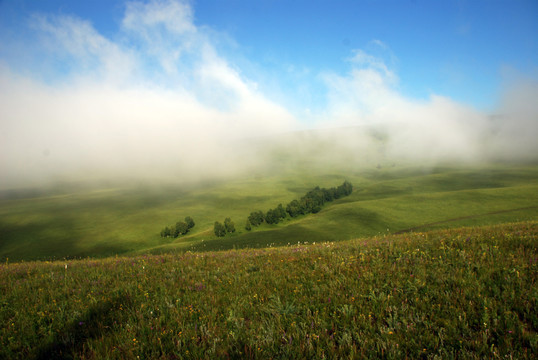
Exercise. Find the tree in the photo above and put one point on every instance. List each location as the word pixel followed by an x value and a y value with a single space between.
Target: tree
pixel 293 208
pixel 256 217
pixel 280 212
pixel 328 194
pixel 311 203
pixel 348 187
pixel 344 190
pixel 190 222
pixel 166 232
pixel 315 197
pixel 229 225
pixel 271 217
pixel 219 229
pixel 305 205
pixel 181 228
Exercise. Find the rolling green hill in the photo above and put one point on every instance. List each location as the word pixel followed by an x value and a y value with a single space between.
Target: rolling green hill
pixel 127 219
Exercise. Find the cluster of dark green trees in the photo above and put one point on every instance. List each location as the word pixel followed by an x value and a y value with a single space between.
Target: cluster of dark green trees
pixel 181 228
pixel 221 230
pixel 310 203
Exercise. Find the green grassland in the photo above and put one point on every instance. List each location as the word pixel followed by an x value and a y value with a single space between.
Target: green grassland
pixel 464 293
pixel 127 219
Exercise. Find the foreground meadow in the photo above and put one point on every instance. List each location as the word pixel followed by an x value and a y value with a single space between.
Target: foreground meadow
pixel 460 293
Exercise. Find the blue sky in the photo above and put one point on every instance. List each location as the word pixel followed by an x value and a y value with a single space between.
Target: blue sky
pixel 99 84
pixel 452 48
pixel 457 49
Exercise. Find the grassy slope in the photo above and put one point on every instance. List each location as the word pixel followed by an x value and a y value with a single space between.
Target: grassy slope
pixel 128 220
pixel 462 293
pixel 393 199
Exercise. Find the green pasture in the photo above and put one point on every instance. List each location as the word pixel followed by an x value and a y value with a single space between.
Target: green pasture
pixel 393 199
pixel 127 219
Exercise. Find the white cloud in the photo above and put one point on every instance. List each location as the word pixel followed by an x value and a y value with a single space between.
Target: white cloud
pixel 434 129
pixel 165 32
pixel 159 99
pixel 146 18
pixel 514 129
pixel 78 44
pixel 167 105
pixel 364 60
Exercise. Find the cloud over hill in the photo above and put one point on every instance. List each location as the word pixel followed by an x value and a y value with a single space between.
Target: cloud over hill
pixel 159 98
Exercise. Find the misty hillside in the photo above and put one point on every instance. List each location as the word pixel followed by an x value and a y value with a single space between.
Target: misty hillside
pixel 126 215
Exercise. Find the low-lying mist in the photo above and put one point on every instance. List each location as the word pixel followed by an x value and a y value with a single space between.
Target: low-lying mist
pixel 90 133
pixel 193 115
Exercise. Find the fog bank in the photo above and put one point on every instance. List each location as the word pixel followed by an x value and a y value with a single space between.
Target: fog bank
pixel 159 101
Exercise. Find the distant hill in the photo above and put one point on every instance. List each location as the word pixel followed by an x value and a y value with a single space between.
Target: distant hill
pixel 388 197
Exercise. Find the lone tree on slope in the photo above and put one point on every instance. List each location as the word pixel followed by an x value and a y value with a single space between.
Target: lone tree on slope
pixel 229 225
pixel 190 222
pixel 181 228
pixel 219 229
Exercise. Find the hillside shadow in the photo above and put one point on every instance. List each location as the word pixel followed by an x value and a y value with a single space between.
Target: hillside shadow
pixel 37 240
pixel 96 322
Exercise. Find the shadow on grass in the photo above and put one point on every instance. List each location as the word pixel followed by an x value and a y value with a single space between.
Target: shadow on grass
pixel 283 236
pixel 97 321
pixel 425 226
